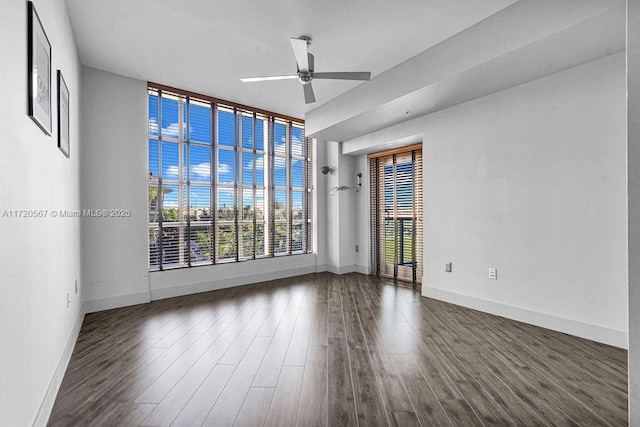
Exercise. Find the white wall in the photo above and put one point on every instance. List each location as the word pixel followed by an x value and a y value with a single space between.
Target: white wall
pixel 340 218
pixel 362 218
pixel 332 203
pixel 530 180
pixel 320 191
pixel 39 258
pixel 346 201
pixel 114 176
pixel 633 126
pixel 183 281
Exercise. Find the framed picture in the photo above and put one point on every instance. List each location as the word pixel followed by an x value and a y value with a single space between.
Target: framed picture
pixel 63 115
pixel 39 72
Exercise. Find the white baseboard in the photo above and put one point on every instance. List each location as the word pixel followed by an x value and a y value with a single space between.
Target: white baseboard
pixel 213 285
pixel 320 268
pixel 353 268
pixel 363 269
pixel 46 406
pixel 572 327
pixel 340 270
pixel 91 306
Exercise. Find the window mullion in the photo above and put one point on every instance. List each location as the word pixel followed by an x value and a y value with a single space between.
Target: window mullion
pixel 414 266
pixel 307 197
pixel 289 192
pixel 213 177
pixel 254 186
pixel 160 188
pixel 395 219
pixel 271 188
pixel 187 165
pixel 237 184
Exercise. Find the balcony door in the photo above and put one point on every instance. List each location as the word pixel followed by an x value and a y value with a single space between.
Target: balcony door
pixel 396 206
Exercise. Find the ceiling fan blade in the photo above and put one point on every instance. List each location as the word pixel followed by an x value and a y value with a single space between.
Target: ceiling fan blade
pixel 309 97
pixel 354 75
pixel 300 51
pixel 264 79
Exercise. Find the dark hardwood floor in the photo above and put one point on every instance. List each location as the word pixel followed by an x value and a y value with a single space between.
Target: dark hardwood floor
pixel 332 350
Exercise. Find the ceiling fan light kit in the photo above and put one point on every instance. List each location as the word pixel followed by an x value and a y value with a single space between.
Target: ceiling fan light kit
pixel 305 70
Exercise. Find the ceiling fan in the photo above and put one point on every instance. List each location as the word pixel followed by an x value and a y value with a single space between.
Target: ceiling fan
pixel 306 71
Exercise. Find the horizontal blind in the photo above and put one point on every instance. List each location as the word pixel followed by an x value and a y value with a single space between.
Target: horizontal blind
pixel 396 203
pixel 226 182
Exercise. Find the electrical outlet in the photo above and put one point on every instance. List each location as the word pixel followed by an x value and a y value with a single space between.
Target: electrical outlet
pixel 76 286
pixel 493 273
pixel 68 300
pixel 447 267
pixel 357 248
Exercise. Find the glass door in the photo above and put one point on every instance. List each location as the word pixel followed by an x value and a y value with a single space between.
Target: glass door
pixel 397 213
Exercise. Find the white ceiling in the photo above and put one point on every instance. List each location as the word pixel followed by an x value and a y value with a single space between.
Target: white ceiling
pixel 526 41
pixel 206 46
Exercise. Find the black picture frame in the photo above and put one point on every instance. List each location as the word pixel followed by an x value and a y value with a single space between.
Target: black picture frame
pixel 63 115
pixel 39 72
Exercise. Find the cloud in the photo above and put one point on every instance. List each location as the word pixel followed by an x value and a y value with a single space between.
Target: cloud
pixel 202 169
pixel 259 164
pixel 170 131
pixel 280 163
pixel 171 172
pixel 153 126
pixel 223 168
pixel 224 174
pixel 296 146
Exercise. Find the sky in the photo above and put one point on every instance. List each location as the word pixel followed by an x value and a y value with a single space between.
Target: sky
pixel 199 132
pixel 404 187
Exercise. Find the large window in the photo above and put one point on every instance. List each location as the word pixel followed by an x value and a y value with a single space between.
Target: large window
pixel 226 182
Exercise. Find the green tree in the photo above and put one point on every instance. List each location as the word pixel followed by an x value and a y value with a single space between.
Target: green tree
pixel 170 215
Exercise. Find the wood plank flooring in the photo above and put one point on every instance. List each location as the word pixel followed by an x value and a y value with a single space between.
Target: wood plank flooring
pixel 332 350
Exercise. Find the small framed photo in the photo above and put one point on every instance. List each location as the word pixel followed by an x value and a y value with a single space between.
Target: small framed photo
pixel 63 115
pixel 39 71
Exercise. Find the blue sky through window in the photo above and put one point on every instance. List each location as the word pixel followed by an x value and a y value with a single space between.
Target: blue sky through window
pixel 225 128
pixel 404 186
pixel 247 132
pixel 199 123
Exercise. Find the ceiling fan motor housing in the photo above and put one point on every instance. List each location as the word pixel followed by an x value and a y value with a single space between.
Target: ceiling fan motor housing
pixel 307 77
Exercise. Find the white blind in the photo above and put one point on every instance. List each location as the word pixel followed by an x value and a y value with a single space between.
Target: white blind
pixel 226 182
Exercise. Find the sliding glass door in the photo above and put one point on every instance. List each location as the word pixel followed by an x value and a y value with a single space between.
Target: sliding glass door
pixel 396 199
